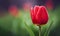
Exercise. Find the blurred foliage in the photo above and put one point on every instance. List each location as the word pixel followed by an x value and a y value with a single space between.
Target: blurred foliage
pixel 23 26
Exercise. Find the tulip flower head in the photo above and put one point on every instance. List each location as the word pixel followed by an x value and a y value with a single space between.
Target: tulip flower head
pixel 39 15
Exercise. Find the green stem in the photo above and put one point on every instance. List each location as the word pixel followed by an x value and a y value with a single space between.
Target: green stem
pixel 39 30
pixel 29 30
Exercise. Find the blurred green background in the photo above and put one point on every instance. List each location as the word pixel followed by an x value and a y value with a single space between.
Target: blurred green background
pixel 22 25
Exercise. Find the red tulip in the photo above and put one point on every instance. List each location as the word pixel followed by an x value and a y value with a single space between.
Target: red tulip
pixel 13 10
pixel 39 15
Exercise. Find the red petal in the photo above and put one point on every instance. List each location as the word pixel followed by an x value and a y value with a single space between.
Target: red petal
pixel 44 15
pixel 36 8
pixel 32 12
pixel 32 15
pixel 38 15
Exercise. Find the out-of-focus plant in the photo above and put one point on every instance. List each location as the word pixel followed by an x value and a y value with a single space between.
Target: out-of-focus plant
pixel 49 4
pixel 13 10
pixel 27 6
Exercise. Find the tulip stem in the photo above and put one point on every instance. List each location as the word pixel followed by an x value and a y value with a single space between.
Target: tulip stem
pixel 39 30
